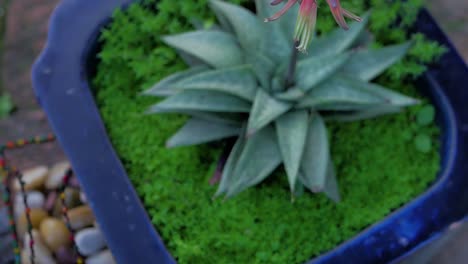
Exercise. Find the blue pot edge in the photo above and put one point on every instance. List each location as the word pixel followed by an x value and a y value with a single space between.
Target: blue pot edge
pixel 64 9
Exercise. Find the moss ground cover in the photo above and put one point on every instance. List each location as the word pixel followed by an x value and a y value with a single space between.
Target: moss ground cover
pixel 379 166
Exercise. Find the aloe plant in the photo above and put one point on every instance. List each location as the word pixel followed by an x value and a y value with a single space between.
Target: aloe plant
pixel 236 87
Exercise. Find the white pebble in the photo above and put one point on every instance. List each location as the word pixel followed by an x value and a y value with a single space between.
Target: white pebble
pixel 89 241
pixel 56 175
pixel 103 257
pixel 35 199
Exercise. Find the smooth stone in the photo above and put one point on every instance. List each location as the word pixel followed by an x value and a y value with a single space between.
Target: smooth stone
pixel 41 253
pixel 36 215
pixel 33 179
pixel 89 241
pixel 50 201
pixel 56 175
pixel 81 217
pixel 34 199
pixel 83 198
pixel 54 233
pixel 103 257
pixel 66 255
pixel 72 200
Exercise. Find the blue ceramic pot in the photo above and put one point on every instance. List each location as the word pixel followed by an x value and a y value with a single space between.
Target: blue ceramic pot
pixel 61 82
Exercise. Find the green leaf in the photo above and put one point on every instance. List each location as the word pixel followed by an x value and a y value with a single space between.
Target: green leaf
pixel 223 20
pixel 339 94
pixel 425 115
pixel 316 155
pixel 345 93
pixel 291 130
pixel 197 100
pixel 264 110
pixel 245 24
pixel 239 81
pixel 216 48
pixel 286 23
pixel 165 86
pixel 298 188
pixel 312 71
pixel 275 44
pixel 338 40
pixel 331 189
pixel 227 178
pixel 368 64
pixel 390 97
pixel 292 94
pixel 423 143
pixel 226 118
pixel 197 131
pixel 262 66
pixel 366 113
pixel 260 156
pixel 6 105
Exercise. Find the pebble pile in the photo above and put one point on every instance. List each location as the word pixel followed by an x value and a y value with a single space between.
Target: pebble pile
pixel 62 223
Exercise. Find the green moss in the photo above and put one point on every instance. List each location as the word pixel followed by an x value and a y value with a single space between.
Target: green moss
pixel 379 168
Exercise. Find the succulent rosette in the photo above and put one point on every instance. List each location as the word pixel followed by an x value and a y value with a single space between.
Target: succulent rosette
pixel 236 87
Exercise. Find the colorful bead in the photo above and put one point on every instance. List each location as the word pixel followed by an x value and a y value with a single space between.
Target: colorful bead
pixel 6 173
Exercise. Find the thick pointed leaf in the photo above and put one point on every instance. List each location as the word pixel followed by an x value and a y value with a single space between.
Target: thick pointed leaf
pixel 312 71
pixel 316 155
pixel 244 23
pixel 192 100
pixel 340 94
pixel 275 44
pixel 367 113
pixel 338 40
pixel 292 94
pixel 262 66
pixel 226 118
pixel 165 86
pixel 197 131
pixel 260 156
pixel 216 48
pixel 368 64
pixel 228 175
pixel 238 81
pixel 291 130
pixel 331 189
pixel 223 21
pixel 286 23
pixel 191 60
pixel 264 110
pixel 391 97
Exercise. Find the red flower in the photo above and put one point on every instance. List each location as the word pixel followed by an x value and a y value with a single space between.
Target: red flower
pixel 307 17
